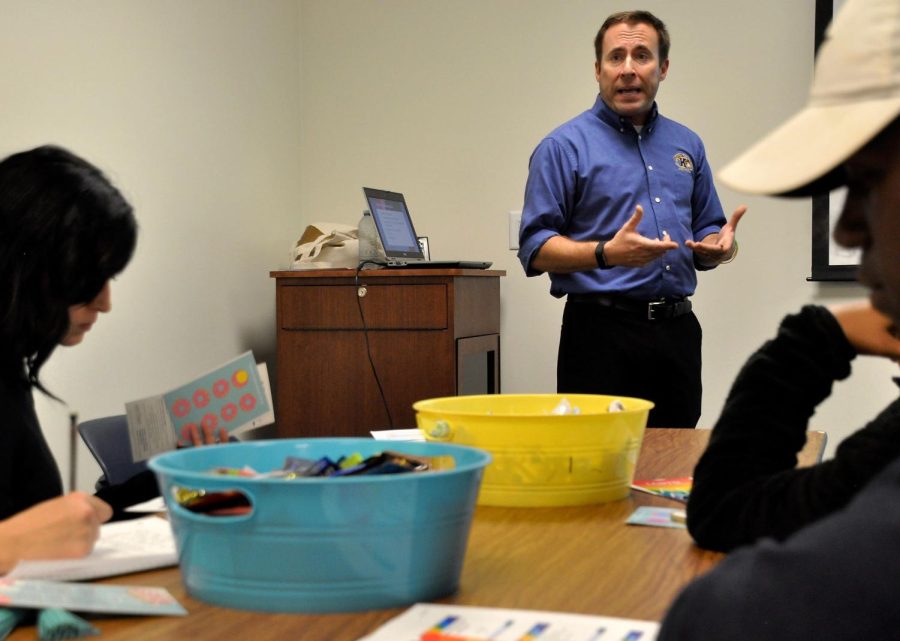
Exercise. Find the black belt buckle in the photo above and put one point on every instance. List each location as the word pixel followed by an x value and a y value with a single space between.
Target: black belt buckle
pixel 652 306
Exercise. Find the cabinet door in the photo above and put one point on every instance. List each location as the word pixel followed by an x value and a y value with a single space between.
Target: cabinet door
pixel 478 365
pixel 327 386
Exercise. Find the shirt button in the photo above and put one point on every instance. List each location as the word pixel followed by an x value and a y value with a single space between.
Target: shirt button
pixel 650 167
pixel 656 199
pixel 668 268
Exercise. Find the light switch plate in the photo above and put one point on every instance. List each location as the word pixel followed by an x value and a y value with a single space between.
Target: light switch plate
pixel 515 219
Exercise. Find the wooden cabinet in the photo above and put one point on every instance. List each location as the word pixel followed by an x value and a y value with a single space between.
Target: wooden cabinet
pixel 425 333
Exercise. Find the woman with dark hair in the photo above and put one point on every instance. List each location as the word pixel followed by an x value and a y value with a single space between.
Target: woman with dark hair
pixel 65 231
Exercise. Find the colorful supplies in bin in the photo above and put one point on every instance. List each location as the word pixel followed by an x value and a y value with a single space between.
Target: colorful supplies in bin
pixel 351 465
pixel 233 503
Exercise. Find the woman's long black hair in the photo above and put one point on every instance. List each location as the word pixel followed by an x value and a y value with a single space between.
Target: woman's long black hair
pixel 64 232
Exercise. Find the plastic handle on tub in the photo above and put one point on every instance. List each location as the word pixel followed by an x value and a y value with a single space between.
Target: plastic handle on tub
pixel 440 430
pixel 228 505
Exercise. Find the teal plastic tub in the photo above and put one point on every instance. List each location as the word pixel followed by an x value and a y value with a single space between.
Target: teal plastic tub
pixel 322 544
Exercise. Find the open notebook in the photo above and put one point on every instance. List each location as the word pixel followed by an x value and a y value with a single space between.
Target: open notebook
pixel 124 547
pixel 398 236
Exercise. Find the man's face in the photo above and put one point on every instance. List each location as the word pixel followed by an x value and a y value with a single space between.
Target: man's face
pixel 871 218
pixel 629 71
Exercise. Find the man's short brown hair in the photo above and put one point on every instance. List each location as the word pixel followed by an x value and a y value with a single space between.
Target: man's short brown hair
pixel 631 18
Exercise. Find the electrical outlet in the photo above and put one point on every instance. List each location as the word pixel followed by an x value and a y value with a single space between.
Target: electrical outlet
pixel 515 219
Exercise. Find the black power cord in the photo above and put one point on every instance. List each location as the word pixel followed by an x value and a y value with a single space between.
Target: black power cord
pixel 362 317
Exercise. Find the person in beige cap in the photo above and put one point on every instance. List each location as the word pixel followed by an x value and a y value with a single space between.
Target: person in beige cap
pixel 821 545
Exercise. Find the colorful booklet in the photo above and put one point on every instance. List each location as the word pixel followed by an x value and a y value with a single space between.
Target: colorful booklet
pixel 88 597
pixel 236 396
pixel 678 489
pixel 658 517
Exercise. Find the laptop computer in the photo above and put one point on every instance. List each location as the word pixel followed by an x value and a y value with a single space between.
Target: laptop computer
pixel 398 236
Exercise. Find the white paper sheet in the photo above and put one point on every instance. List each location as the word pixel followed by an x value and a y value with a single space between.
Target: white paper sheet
pixel 398 435
pixel 497 624
pixel 124 547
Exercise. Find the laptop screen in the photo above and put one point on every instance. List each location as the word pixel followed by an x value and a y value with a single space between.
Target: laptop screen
pixel 394 224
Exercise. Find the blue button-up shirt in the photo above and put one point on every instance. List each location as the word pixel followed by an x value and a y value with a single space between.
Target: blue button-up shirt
pixel 584 181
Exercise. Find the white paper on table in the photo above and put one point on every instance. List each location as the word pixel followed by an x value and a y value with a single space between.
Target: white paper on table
pixel 499 624
pixel 153 506
pixel 414 434
pixel 124 547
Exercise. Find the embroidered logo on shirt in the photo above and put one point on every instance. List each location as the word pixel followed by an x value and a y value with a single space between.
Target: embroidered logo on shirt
pixel 683 162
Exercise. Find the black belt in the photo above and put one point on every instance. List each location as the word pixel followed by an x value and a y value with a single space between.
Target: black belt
pixel 649 309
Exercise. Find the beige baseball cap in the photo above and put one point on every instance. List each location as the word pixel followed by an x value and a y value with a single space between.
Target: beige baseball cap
pixel 854 95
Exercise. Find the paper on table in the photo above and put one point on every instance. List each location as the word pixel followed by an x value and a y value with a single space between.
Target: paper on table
pixel 87 597
pixel 658 517
pixel 124 546
pixel 436 622
pixel 678 489
pixel 152 506
pixel 413 434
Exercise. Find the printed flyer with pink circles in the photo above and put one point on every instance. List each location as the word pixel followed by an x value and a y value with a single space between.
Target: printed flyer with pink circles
pixel 235 396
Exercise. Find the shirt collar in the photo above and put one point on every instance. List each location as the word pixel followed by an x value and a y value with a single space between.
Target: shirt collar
pixel 613 119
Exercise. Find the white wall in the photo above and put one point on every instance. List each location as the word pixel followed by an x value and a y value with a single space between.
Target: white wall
pixel 231 125
pixel 192 109
pixel 446 100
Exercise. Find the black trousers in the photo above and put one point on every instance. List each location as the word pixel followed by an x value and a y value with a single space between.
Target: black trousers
pixel 618 353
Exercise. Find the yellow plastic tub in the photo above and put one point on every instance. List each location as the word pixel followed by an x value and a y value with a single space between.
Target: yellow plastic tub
pixel 541 458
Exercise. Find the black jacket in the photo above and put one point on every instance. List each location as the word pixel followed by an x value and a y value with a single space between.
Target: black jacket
pixel 826 562
pixel 745 484
pixel 28 472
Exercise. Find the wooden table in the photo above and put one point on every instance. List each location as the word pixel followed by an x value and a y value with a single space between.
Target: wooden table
pixel 570 559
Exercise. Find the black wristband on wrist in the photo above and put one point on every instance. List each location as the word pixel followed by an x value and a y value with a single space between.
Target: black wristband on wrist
pixel 600 256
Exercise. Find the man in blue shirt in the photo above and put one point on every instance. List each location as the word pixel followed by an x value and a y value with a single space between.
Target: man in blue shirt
pixel 621 211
